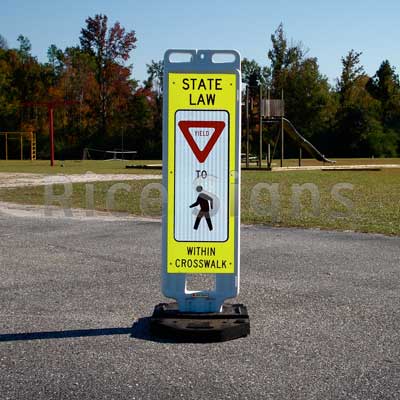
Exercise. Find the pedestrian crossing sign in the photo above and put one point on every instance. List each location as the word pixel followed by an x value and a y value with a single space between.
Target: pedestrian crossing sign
pixel 202 167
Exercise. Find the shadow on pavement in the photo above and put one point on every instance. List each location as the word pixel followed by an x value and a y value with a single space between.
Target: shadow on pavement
pixel 139 330
pixel 11 337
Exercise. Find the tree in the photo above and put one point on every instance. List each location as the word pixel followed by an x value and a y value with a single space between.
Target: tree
pixel 144 131
pixel 8 100
pixel 254 75
pixel 277 56
pixel 155 70
pixel 251 72
pixel 384 86
pixel 351 71
pixel 282 57
pixel 75 80
pixel 3 43
pixel 385 83
pixel 55 57
pixel 308 99
pixel 148 104
pixel 109 48
pixel 25 46
pixel 359 131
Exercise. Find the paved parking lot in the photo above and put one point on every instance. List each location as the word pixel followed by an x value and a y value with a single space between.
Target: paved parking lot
pixel 75 294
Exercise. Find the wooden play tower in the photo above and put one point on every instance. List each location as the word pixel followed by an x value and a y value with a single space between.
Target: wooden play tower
pixel 268 111
pixel 20 137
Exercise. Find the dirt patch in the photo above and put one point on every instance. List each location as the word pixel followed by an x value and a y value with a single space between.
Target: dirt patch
pixel 14 180
pixel 35 211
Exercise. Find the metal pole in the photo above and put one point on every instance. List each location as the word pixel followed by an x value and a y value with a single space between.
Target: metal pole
pixel 260 157
pixel 300 156
pixel 269 115
pixel 282 142
pixel 282 136
pixel 122 145
pixel 247 127
pixel 6 136
pixel 51 128
pixel 22 146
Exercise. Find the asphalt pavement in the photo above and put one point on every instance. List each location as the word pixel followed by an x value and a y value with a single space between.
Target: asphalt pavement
pixel 75 297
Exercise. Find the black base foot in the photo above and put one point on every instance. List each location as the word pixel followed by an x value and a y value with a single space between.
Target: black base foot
pixel 232 323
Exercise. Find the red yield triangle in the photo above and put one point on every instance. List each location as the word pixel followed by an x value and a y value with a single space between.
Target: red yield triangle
pixel 218 127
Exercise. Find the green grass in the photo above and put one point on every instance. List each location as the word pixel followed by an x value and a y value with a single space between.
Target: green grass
pixel 76 167
pixel 118 167
pixel 374 197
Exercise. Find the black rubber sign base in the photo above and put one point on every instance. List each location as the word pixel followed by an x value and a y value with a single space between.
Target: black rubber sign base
pixel 168 322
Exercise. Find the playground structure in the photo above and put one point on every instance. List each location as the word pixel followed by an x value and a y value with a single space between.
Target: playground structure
pixel 20 136
pixel 272 111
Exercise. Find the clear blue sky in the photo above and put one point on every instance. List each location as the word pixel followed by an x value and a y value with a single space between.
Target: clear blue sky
pixel 328 29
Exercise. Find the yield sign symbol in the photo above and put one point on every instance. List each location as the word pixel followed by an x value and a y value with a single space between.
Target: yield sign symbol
pixel 218 127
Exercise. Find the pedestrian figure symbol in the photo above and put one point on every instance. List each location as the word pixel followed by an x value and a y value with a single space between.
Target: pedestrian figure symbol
pixel 205 202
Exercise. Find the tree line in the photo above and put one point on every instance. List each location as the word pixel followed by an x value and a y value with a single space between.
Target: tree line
pixel 101 105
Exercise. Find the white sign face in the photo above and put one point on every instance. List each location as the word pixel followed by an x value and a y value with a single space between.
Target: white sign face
pixel 201 200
